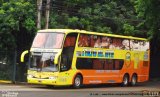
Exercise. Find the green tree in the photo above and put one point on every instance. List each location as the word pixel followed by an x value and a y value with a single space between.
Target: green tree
pixel 148 10
pixel 103 15
pixel 17 24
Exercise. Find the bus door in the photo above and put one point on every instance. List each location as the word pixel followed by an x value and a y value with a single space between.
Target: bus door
pixel 68 51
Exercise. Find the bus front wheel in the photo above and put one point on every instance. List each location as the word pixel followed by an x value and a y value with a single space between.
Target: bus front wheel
pixel 125 81
pixel 77 81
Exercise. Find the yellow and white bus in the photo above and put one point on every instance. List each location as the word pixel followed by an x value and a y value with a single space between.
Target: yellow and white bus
pixel 77 57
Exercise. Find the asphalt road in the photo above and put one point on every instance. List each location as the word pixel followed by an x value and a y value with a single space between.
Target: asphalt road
pixel 147 89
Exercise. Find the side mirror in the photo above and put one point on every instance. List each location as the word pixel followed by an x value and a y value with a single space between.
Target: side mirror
pixel 23 54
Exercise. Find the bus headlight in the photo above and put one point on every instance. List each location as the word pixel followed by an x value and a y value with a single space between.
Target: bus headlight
pixel 53 77
pixel 30 76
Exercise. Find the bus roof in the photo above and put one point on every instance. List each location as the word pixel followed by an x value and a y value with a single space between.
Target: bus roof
pixel 89 32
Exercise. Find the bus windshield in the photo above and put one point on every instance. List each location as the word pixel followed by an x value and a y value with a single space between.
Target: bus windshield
pixel 48 40
pixel 43 62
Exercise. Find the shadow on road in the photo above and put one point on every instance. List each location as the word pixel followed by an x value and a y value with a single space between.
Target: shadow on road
pixel 88 86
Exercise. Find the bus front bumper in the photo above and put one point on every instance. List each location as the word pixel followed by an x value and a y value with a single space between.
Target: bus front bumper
pixel 41 81
pixel 54 82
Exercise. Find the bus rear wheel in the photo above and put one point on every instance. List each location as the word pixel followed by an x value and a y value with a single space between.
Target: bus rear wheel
pixel 77 81
pixel 134 80
pixel 125 81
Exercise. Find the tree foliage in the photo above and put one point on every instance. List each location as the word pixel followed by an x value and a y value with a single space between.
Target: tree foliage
pixel 148 10
pixel 127 17
pixel 17 23
pixel 107 16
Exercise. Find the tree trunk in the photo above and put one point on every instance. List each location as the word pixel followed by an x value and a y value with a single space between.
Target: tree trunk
pixel 39 9
pixel 47 13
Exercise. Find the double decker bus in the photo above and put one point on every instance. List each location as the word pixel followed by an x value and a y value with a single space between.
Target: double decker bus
pixel 61 57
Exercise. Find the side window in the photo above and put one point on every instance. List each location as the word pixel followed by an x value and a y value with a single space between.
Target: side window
pixel 106 42
pixel 70 41
pixel 98 41
pixel 125 43
pixel 139 45
pixel 116 43
pixel 145 63
pixel 118 64
pixel 109 64
pixel 84 40
pixel 99 64
pixel 115 64
pixel 89 64
pixel 144 45
pixel 93 40
pixel 135 45
pixel 84 63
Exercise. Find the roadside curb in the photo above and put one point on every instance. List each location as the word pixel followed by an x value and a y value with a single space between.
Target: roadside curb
pixel 11 82
pixel 5 81
pixel 21 83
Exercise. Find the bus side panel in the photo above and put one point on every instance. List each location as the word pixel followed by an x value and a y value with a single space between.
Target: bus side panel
pixel 116 76
pixel 100 76
pixel 141 72
pixel 144 71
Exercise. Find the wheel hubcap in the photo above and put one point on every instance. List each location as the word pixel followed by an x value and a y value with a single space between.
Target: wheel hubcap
pixel 77 82
pixel 134 81
pixel 125 81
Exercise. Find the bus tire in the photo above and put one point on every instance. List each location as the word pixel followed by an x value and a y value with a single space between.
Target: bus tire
pixel 77 81
pixel 125 81
pixel 134 80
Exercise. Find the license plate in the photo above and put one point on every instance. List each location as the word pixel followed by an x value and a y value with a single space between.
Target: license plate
pixel 39 81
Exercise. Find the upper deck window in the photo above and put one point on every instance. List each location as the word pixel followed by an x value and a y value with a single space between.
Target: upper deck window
pixel 84 40
pixel 139 45
pixel 108 42
pixel 48 40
